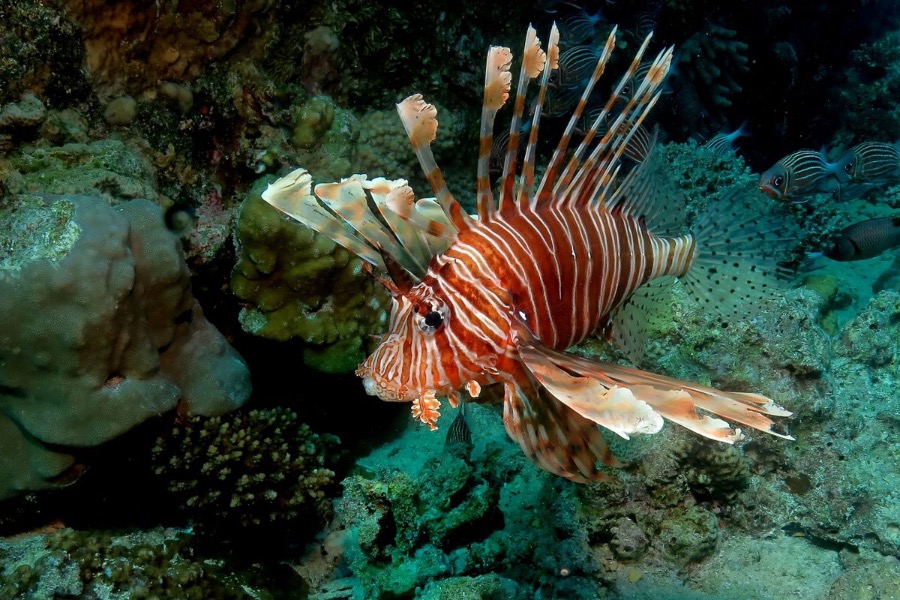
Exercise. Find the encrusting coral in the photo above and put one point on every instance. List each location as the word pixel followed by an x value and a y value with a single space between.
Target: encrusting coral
pixel 100 333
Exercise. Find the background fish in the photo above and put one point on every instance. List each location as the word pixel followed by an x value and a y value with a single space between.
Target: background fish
pixel 865 239
pixel 876 162
pixel 803 173
pixel 724 142
pixel 499 298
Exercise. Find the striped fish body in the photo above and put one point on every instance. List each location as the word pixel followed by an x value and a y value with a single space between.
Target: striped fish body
pixel 562 271
pixel 873 162
pixel 803 173
pixel 499 298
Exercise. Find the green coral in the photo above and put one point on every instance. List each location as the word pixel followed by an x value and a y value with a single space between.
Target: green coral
pixel 703 173
pixel 329 154
pixel 459 519
pixel 257 468
pixel 298 284
pixel 311 120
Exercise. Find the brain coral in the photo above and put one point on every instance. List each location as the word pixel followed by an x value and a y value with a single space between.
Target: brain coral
pixel 98 332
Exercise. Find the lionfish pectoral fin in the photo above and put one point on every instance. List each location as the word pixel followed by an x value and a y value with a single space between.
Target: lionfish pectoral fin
pixel 617 408
pixel 556 438
pixel 627 400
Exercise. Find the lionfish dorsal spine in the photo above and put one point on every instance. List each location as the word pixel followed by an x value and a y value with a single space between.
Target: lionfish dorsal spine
pixel 526 181
pixel 543 193
pixel 420 121
pixel 533 59
pixel 585 178
pixel 497 83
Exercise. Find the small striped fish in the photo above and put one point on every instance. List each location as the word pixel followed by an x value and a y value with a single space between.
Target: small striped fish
pixel 803 173
pixel 497 299
pixel 723 143
pixel 873 162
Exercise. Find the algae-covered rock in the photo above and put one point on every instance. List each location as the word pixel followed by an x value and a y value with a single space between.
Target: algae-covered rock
pixel 455 519
pixel 139 565
pixel 41 51
pixel 107 168
pixel 298 284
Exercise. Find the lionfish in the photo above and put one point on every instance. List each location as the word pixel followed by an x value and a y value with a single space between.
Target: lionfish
pixel 497 298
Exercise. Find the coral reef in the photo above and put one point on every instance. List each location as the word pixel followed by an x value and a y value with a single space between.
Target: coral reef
pixel 298 284
pixel 161 563
pixel 130 47
pixel 253 469
pixel 187 106
pixel 449 519
pixel 40 52
pixel 100 333
pixel 868 111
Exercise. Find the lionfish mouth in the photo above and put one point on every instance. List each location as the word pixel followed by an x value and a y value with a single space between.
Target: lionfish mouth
pixel 390 391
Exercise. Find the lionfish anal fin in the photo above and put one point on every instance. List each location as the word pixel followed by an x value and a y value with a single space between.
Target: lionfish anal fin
pixel 558 439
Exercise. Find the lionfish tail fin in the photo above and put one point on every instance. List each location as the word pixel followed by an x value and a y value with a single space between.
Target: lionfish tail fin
pixel 741 239
pixel 630 401
pixel 407 231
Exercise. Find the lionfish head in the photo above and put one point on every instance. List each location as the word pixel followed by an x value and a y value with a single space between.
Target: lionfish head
pixel 407 364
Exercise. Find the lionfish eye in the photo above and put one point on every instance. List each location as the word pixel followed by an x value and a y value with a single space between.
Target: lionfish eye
pixel 431 320
pixel 778 181
pixel 434 319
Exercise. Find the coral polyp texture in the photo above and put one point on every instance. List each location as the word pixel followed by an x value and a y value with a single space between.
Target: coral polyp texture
pixel 100 333
pixel 250 469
